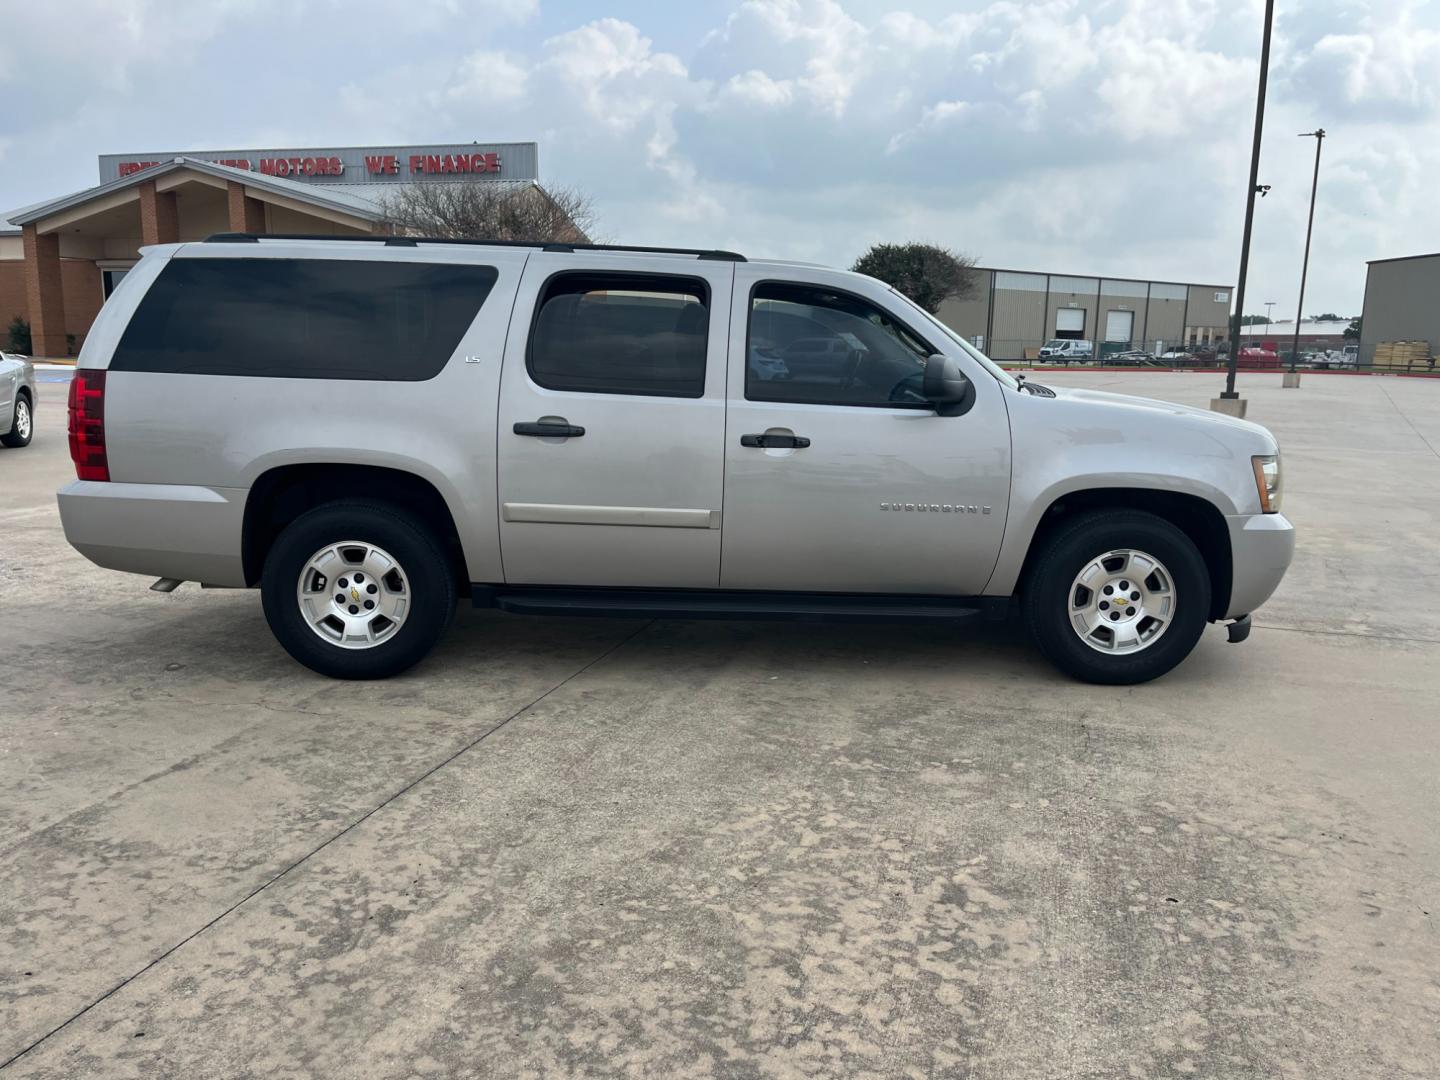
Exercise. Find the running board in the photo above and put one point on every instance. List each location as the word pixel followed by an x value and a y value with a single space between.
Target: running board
pixel 726 604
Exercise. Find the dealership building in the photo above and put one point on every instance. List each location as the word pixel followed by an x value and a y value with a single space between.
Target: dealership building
pixel 1012 313
pixel 61 258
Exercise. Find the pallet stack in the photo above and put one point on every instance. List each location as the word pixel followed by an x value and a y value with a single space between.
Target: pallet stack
pixel 1403 356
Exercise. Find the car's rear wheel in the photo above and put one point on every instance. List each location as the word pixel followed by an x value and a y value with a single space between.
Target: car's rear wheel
pixel 22 424
pixel 1117 597
pixel 357 590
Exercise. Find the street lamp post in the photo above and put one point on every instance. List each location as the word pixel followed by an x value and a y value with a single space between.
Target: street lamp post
pixel 1319 136
pixel 1269 307
pixel 1229 399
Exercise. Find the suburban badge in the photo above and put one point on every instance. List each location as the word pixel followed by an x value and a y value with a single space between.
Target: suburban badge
pixel 937 508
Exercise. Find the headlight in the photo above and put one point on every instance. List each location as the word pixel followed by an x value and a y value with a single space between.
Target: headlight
pixel 1267 481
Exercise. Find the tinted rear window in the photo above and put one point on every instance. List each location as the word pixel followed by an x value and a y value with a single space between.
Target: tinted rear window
pixel 621 334
pixel 303 318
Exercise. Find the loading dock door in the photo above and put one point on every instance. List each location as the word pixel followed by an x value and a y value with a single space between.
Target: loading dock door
pixel 1070 323
pixel 1119 326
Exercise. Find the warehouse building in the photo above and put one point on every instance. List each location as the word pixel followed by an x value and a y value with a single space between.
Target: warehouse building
pixel 1315 334
pixel 61 258
pixel 1012 313
pixel 1402 305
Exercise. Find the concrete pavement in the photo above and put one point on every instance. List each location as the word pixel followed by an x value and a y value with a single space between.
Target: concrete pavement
pixel 737 849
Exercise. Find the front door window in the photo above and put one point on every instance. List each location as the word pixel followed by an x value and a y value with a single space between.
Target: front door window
pixel 816 346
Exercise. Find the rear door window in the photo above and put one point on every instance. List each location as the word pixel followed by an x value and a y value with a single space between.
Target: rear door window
pixel 303 318
pixel 642 334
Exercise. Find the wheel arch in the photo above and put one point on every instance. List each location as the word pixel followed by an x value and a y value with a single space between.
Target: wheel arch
pixel 281 494
pixel 1197 517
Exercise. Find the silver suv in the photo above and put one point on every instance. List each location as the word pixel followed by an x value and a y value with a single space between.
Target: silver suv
pixel 367 429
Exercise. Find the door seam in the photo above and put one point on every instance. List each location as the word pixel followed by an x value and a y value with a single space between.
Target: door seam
pixel 499 397
pixel 725 428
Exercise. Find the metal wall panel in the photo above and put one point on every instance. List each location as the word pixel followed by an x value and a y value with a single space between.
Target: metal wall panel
pixel 1136 290
pixel 1206 313
pixel 1400 303
pixel 970 318
pixel 1017 322
pixel 1009 279
pixel 1164 320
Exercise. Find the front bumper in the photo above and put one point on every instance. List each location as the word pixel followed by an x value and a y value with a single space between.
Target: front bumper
pixel 1261 546
pixel 160 530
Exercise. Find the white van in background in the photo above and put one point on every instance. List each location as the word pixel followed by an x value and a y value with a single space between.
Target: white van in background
pixel 1066 350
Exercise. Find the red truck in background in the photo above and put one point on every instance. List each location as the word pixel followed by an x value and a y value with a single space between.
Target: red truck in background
pixel 1257 357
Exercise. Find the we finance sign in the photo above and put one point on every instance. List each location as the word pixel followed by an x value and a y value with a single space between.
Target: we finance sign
pixel 355 164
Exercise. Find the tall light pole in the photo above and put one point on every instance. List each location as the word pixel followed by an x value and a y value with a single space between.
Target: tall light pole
pixel 1269 307
pixel 1319 136
pixel 1229 393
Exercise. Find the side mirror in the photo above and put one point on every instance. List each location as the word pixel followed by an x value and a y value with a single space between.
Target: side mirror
pixel 946 386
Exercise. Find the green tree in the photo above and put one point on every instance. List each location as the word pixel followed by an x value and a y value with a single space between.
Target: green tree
pixel 1329 316
pixel 1352 332
pixel 927 274
pixel 19 336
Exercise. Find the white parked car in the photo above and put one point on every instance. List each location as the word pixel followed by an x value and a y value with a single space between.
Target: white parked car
pixel 17 400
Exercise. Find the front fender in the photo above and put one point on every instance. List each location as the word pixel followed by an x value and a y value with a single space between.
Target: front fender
pixel 1063 446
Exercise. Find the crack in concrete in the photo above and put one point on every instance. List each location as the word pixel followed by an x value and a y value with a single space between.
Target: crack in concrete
pixel 1348 633
pixel 1407 420
pixel 411 785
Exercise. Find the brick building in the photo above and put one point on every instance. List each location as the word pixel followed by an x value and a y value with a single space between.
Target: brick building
pixel 59 259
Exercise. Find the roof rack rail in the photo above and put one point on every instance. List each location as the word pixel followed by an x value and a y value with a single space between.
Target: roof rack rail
pixel 411 241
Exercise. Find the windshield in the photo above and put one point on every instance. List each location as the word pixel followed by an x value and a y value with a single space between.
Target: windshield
pixel 1001 375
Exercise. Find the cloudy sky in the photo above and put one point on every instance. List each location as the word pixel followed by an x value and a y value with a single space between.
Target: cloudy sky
pixel 1079 136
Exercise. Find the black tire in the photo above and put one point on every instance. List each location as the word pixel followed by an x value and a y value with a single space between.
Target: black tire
pixel 430 587
pixel 14 439
pixel 1066 551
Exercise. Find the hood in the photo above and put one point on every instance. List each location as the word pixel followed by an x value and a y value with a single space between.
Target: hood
pixel 1152 407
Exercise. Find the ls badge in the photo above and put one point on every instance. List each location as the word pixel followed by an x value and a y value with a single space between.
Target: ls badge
pixel 937 508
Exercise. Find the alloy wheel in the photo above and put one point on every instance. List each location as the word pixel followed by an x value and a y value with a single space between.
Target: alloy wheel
pixel 353 594
pixel 1122 602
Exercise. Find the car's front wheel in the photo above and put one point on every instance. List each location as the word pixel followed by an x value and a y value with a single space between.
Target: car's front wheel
pixel 1117 597
pixel 22 424
pixel 357 590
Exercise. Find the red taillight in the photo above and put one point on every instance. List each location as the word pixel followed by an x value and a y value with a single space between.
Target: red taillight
pixel 87 425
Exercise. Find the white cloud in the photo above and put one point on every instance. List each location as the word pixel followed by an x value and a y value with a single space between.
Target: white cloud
pixel 780 32
pixel 755 88
pixel 1390 65
pixel 103 39
pixel 488 77
pixel 610 68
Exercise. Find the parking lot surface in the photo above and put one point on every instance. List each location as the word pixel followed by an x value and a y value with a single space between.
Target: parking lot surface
pixel 595 848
